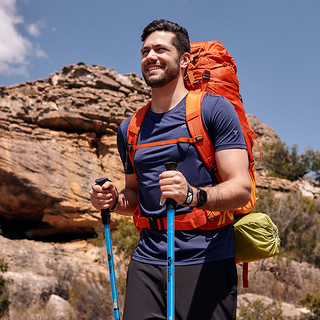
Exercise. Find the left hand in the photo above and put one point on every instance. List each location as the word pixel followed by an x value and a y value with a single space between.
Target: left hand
pixel 173 185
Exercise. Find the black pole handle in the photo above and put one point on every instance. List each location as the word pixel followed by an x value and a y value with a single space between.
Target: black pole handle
pixel 105 213
pixel 171 166
pixel 170 203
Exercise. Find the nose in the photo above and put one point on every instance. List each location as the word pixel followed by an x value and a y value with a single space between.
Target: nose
pixel 151 56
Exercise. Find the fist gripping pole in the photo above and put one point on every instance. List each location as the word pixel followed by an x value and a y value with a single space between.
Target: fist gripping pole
pixel 171 205
pixel 105 215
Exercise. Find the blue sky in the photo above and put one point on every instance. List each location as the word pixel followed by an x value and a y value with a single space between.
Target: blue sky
pixel 275 44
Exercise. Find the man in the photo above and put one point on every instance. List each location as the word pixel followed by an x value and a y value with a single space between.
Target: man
pixel 205 274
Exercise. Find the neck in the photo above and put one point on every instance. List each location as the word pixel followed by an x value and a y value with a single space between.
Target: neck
pixel 168 96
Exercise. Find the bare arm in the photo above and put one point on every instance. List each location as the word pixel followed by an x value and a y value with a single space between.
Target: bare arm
pixel 234 191
pixel 104 197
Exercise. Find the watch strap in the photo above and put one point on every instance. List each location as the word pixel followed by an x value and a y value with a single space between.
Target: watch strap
pixel 189 197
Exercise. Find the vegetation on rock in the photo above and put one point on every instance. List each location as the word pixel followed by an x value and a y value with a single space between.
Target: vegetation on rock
pixel 285 162
pixel 312 302
pixel 4 291
pixel 257 310
pixel 298 220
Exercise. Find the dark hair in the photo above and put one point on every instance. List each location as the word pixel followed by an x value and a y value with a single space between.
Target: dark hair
pixel 181 42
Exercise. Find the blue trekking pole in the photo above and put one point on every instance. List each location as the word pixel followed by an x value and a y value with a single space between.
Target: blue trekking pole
pixel 105 215
pixel 171 205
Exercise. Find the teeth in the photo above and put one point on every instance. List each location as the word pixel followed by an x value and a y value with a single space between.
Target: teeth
pixel 154 68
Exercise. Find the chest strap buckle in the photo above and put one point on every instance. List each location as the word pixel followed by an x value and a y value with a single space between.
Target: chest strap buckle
pixel 155 224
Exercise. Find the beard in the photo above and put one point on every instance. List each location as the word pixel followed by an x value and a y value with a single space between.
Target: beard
pixel 170 72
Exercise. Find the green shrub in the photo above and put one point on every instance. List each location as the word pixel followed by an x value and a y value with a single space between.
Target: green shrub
pixel 4 291
pixel 285 162
pixel 298 221
pixel 312 159
pixel 99 240
pixel 126 237
pixel 90 298
pixel 312 302
pixel 257 310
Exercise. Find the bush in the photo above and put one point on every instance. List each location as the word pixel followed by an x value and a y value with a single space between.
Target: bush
pixel 257 310
pixel 298 221
pixel 312 160
pixel 4 291
pixel 312 302
pixel 126 237
pixel 285 162
pixel 91 298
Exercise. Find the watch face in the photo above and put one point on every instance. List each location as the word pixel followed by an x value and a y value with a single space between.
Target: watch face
pixel 202 197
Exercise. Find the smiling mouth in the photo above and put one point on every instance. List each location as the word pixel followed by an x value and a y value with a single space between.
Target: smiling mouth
pixel 154 68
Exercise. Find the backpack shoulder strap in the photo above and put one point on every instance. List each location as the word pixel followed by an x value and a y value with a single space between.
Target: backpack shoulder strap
pixel 133 130
pixel 197 129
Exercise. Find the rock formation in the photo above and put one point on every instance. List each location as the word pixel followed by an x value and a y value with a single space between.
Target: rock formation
pixel 56 136
pixel 52 279
pixel 266 135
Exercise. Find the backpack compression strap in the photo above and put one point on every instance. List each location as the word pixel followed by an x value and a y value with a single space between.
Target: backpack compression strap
pixel 133 130
pixel 205 147
pixel 198 130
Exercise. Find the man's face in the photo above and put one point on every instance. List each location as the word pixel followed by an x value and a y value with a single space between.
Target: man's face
pixel 160 61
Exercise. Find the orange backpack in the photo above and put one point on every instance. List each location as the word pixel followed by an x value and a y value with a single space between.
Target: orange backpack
pixel 212 70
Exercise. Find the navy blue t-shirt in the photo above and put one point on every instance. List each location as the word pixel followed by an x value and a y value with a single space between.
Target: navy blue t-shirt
pixel 223 126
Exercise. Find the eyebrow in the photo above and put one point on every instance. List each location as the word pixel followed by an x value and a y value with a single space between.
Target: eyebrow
pixel 156 46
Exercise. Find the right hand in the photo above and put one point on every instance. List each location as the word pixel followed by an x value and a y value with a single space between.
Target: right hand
pixel 173 185
pixel 103 197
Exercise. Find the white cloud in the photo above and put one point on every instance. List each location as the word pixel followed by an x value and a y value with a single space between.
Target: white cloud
pixel 15 49
pixel 39 52
pixel 34 29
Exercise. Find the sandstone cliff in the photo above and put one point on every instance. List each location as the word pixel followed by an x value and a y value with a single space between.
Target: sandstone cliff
pixel 56 136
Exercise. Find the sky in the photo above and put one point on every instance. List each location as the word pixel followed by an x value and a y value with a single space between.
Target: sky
pixel 275 44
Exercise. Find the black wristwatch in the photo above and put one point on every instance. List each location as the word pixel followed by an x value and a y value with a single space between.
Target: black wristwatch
pixel 202 197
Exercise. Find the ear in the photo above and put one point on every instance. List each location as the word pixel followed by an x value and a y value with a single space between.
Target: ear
pixel 185 60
